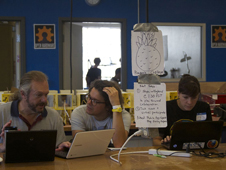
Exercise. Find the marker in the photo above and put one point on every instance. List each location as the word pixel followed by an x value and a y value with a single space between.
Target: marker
pixel 160 156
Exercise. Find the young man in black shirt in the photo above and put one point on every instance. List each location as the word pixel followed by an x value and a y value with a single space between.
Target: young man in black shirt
pixel 94 72
pixel 117 77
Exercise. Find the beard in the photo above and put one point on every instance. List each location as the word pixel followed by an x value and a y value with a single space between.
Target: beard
pixel 33 107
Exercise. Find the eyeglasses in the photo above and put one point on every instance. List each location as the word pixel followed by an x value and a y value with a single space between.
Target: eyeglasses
pixel 94 101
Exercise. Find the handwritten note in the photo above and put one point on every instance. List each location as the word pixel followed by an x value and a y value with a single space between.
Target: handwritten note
pixel 147 53
pixel 150 105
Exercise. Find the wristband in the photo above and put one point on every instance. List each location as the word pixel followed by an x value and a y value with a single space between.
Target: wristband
pixel 116 106
pixel 118 109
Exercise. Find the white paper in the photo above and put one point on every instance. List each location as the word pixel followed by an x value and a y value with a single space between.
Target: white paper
pixel 147 53
pixel 215 96
pixel 150 105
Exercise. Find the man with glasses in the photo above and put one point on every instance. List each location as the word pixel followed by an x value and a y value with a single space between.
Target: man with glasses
pixel 103 110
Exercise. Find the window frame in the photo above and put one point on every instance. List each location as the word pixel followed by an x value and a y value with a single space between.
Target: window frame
pixel 203 46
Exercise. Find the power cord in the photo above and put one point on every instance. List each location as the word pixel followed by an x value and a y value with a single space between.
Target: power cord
pixel 138 133
pixel 208 154
pixel 170 154
pixel 188 148
pixel 65 110
pixel 124 153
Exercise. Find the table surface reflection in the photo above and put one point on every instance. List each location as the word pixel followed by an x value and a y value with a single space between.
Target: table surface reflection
pixel 129 161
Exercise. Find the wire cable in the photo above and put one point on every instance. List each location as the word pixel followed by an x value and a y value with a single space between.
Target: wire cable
pixel 67 112
pixel 139 132
pixel 169 154
pixel 138 11
pixel 208 154
pixel 71 46
pixel 147 20
pixel 124 153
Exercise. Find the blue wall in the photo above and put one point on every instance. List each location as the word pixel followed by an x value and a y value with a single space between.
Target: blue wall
pixel 211 12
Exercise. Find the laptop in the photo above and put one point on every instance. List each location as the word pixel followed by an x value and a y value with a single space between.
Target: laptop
pixel 195 135
pixel 88 143
pixel 30 146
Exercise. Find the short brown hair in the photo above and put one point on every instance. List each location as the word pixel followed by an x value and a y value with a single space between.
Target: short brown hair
pixel 97 61
pixel 189 85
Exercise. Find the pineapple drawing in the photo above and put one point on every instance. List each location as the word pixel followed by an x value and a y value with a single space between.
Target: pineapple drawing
pixel 148 57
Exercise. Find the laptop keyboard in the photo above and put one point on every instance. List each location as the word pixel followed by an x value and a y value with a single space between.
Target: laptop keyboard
pixel 61 154
pixel 166 145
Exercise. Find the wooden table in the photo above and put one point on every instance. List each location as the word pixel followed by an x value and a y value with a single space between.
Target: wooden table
pixel 132 126
pixel 129 161
pixel 68 127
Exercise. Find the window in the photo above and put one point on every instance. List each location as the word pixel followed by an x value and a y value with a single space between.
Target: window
pixel 184 50
pixel 111 50
pixel 103 42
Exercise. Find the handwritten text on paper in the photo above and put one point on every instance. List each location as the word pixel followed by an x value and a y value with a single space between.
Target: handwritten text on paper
pixel 150 105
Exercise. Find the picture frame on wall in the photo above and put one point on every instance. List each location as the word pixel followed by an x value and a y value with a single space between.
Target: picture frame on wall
pixel 218 36
pixel 44 36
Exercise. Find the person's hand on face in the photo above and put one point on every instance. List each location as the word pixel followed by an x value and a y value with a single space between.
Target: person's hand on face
pixel 113 95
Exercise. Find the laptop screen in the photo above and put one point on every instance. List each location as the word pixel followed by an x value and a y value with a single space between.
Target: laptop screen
pixel 196 135
pixel 30 146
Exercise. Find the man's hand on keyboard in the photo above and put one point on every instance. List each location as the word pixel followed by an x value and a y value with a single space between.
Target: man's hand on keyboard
pixel 63 145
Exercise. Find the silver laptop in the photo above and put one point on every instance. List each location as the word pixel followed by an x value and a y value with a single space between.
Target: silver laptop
pixel 88 143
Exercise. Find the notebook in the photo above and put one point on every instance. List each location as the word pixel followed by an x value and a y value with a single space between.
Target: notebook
pixel 88 143
pixel 195 135
pixel 30 146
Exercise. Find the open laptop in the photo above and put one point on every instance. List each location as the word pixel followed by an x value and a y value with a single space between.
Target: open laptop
pixel 88 143
pixel 30 146
pixel 195 135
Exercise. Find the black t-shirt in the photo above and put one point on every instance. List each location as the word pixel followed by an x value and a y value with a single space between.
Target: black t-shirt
pixel 93 74
pixel 114 79
pixel 201 112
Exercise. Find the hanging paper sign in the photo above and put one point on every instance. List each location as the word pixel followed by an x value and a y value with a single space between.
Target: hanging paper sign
pixel 147 53
pixel 150 105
